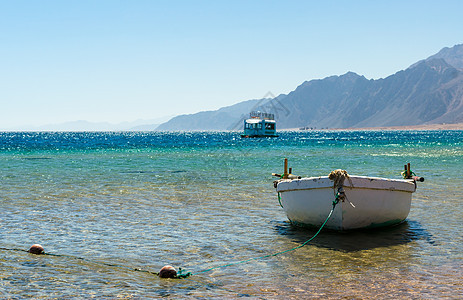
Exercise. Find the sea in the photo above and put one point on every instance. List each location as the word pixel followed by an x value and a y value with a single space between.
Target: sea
pixel 112 208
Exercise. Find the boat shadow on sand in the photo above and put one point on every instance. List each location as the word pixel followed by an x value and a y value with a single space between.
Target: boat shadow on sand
pixel 356 240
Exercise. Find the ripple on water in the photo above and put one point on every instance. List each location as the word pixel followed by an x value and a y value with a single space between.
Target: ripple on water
pixel 106 203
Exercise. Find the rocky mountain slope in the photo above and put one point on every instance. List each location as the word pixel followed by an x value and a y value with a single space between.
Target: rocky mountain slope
pixel 428 92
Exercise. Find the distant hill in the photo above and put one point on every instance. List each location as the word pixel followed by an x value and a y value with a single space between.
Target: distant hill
pixel 453 56
pixel 80 125
pixel 226 118
pixel 428 92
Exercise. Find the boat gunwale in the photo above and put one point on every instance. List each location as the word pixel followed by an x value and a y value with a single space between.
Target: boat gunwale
pixel 347 184
pixel 356 188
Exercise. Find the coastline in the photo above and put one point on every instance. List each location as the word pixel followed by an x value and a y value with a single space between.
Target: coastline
pixel 456 126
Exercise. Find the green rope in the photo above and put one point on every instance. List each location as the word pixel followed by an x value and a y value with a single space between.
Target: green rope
pixel 187 274
pixel 404 175
pixel 279 199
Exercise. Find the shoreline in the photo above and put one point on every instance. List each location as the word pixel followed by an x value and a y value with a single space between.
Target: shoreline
pixel 456 126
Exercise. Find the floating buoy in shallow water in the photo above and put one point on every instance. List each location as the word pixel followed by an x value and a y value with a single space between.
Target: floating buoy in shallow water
pixel 168 272
pixel 36 249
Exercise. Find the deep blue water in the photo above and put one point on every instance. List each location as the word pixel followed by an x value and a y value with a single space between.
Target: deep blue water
pixel 30 141
pixel 105 203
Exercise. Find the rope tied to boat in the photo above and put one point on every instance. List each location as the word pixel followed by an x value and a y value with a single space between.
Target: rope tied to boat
pixel 339 176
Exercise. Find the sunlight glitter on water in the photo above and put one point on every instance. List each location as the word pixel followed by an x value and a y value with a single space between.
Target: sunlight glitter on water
pixel 106 203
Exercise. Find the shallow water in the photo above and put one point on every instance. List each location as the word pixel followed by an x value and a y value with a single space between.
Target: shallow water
pixel 103 204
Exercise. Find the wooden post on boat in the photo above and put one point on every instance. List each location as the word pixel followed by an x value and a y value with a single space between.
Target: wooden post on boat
pixel 285 172
pixel 408 174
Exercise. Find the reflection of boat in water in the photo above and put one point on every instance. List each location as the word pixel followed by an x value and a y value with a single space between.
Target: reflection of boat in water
pixel 364 202
pixel 362 239
pixel 260 124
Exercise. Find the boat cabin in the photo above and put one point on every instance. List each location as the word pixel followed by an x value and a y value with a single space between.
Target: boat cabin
pixel 260 124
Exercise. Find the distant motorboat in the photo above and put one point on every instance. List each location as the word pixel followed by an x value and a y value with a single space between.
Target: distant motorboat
pixel 364 202
pixel 260 124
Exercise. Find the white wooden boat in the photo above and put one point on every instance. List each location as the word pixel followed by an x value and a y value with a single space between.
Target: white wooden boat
pixel 365 202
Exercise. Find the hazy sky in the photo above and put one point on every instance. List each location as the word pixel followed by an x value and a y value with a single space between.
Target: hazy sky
pixel 120 61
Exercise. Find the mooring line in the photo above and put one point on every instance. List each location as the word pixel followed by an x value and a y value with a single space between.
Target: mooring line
pixel 181 273
pixel 86 260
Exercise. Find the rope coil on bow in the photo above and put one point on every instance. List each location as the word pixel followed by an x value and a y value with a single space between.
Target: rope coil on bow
pixel 339 176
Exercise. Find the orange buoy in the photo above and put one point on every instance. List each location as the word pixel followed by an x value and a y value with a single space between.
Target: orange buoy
pixel 36 249
pixel 168 272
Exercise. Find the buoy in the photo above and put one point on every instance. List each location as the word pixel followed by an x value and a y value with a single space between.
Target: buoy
pixel 167 272
pixel 36 249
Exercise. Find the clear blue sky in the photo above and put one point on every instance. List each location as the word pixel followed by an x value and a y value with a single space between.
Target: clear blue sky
pixel 120 61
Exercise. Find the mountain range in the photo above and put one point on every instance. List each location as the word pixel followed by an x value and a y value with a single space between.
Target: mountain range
pixel 428 92
pixel 81 125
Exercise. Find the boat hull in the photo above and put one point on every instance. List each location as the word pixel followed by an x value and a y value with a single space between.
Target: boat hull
pixel 370 202
pixel 259 136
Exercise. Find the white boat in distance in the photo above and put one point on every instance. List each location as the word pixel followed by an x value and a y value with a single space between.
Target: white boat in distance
pixel 260 125
pixel 364 202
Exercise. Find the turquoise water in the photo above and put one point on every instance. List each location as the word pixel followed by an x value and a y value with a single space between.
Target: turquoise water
pixel 104 204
